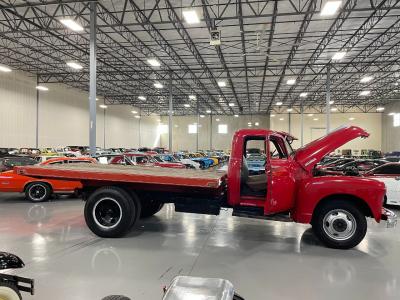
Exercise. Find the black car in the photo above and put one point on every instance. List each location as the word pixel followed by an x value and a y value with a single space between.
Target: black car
pixel 9 162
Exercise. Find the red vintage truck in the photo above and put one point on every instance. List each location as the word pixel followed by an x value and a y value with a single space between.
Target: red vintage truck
pixel 289 190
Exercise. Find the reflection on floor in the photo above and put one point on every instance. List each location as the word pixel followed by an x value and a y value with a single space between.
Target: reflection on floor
pixel 264 260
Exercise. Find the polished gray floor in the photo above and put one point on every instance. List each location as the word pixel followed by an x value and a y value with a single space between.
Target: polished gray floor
pixel 264 260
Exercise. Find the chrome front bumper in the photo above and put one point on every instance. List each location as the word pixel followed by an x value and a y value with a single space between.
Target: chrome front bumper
pixel 390 218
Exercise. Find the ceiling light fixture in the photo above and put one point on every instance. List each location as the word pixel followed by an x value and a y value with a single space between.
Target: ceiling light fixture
pixel 202 116
pixel 134 112
pixel 137 117
pixel 352 119
pixel 74 65
pixel 272 116
pixel 236 116
pixel 366 79
pixel 191 16
pixel 192 97
pixel 158 85
pixel 42 88
pixel 339 55
pixel 391 114
pixel 217 120
pixel 365 93
pixel 310 115
pixel 103 106
pixel 315 119
pixel 331 102
pixel 303 95
pixel 5 69
pixel 330 8
pixel 256 123
pixel 279 103
pixel 333 109
pixel 221 83
pixel 289 110
pixel 231 104
pixel 142 98
pixel 71 24
pixel 186 105
pixel 281 119
pixel 380 108
pixel 153 62
pixel 291 81
pixel 208 111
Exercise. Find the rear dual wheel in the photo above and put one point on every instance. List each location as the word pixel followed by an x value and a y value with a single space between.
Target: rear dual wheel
pixel 111 212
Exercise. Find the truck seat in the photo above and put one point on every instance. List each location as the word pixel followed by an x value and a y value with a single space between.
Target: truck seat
pixel 256 183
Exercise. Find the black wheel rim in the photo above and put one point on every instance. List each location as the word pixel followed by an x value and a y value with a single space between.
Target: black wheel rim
pixel 107 213
pixel 37 192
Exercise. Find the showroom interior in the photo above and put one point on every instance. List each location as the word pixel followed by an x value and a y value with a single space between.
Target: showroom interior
pixel 199 149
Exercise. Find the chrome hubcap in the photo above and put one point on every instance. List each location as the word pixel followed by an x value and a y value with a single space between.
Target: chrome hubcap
pixel 339 224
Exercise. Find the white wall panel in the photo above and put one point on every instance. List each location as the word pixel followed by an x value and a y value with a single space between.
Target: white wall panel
pixel 390 133
pixel 18 110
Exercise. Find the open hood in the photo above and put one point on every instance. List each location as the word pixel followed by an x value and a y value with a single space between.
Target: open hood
pixel 312 153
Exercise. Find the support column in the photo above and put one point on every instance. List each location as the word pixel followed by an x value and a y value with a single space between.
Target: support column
pixel 37 113
pixel 211 131
pixel 92 84
pixel 170 114
pixel 328 99
pixel 198 125
pixel 302 123
pixel 140 120
pixel 290 122
pixel 104 126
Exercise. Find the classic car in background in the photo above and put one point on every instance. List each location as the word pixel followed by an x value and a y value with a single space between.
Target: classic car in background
pixel 8 163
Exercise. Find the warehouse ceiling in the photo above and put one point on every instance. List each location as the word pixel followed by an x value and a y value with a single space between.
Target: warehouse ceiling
pixel 264 44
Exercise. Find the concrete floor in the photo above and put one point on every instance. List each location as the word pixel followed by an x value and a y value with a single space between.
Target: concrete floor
pixel 263 259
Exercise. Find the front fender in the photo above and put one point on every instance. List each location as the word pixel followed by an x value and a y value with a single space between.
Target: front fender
pixel 10 261
pixel 312 190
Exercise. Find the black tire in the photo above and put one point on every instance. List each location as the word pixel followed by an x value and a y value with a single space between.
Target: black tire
pixel 9 291
pixel 116 297
pixel 38 192
pixel 150 208
pixel 339 217
pixel 110 212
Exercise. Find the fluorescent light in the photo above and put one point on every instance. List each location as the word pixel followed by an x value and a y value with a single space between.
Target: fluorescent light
pixel 339 55
pixel 249 124
pixel 153 62
pixel 217 120
pixel 42 88
pixel 236 116
pixel 186 105
pixel 315 119
pixel 256 123
pixel 97 99
pixel 333 109
pixel 158 85
pixel 71 24
pixel 366 79
pixel 192 97
pixel 191 16
pixel 310 115
pixel 289 110
pixel 380 108
pixel 221 83
pixel 134 112
pixel 281 119
pixel 142 98
pixel 279 103
pixel 391 114
pixel 208 111
pixel 330 8
pixel 202 116
pixel 137 117
pixel 74 65
pixel 352 119
pixel 103 106
pixel 331 102
pixel 272 116
pixel 231 104
pixel 303 95
pixel 291 81
pixel 5 69
pixel 365 93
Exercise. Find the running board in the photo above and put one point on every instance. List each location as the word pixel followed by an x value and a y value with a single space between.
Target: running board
pixel 283 217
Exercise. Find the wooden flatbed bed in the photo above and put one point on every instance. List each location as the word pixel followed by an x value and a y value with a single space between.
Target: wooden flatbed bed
pixel 201 179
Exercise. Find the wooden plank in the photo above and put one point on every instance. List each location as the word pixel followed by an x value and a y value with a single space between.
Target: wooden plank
pixel 128 174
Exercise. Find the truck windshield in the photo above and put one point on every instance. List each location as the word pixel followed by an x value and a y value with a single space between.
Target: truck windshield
pixel 289 148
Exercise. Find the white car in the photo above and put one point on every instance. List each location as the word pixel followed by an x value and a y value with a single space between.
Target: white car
pixel 389 174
